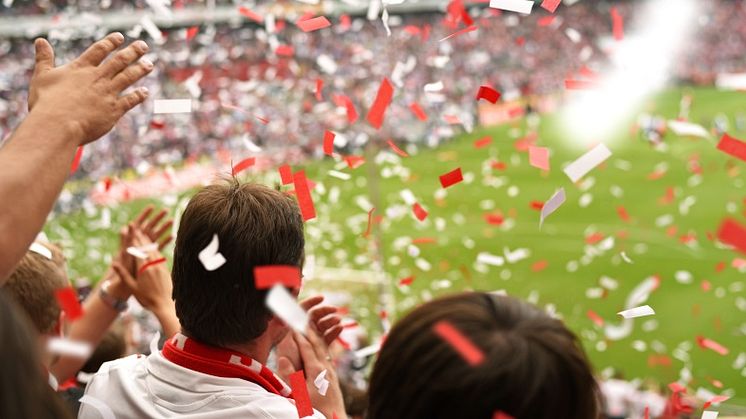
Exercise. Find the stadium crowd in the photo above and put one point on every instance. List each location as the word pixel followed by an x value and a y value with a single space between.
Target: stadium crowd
pixel 250 85
pixel 232 345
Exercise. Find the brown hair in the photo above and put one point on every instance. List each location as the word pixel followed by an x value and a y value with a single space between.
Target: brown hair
pixel 111 347
pixel 256 226
pixel 533 368
pixel 33 283
pixel 24 387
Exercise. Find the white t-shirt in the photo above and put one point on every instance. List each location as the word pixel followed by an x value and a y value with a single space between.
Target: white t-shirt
pixel 154 387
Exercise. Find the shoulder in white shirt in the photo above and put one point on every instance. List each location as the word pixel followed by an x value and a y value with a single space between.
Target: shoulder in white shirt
pixel 154 387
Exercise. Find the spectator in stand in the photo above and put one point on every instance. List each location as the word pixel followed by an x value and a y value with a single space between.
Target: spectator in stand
pixel 216 366
pixel 70 106
pixel 618 397
pixel 532 366
pixel 24 388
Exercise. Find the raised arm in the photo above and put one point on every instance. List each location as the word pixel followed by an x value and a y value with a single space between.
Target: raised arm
pixel 70 105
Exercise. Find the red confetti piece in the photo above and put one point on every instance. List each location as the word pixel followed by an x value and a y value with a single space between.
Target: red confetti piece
pixel 617 24
pixel 406 281
pixel 314 24
pixel 370 222
pixel 424 240
pixel 300 394
pixel 417 111
pixel 550 5
pixel 539 266
pixel 716 399
pixel 251 14
pixel 647 413
pixel 286 174
pixel 580 84
pixel 471 28
pixel 329 143
pixel 243 165
pixel 383 99
pixel 501 415
pixel 537 205
pixel 419 212
pixel 345 22
pixel 472 354
pixel 489 94
pixel 483 142
pixel 676 387
pixel 710 344
pixel 595 318
pixel 285 50
pixel 76 160
pixel 342 100
pixel 539 157
pixel 305 202
pixel 149 264
pixel 452 119
pixel 319 86
pixel 192 32
pixel 266 277
pixel 396 149
pixel 451 178
pixel 68 302
pixel 623 213
pixel 546 20
pixel 353 162
pixel 494 219
pixel 734 234
pixel 732 146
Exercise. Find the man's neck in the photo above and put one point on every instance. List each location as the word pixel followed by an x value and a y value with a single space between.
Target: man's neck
pixel 256 349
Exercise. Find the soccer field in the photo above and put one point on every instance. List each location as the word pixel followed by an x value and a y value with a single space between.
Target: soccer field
pixel 585 240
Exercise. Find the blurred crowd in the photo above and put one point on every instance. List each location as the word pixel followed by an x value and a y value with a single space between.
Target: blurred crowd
pixel 257 86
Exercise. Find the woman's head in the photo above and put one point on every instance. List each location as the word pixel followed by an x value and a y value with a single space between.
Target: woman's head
pixel 533 366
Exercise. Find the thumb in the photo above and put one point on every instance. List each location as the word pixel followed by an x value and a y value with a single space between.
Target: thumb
pixel 284 368
pixel 125 276
pixel 44 55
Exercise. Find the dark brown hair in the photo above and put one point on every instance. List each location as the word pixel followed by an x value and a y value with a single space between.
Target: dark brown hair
pixel 112 346
pixel 33 283
pixel 256 226
pixel 533 368
pixel 24 387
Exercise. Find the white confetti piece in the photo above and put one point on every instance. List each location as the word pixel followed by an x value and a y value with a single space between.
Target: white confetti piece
pixel 142 251
pixel 286 308
pixel 60 346
pixel 367 351
pixel 210 257
pixel 551 205
pixel 574 35
pixel 321 383
pixel 172 106
pixel 626 258
pixel 39 248
pixel 104 410
pixel 518 6
pixel 587 162
pixel 637 312
pixel 340 175
pixel 708 414
pixel 385 19
pixel 152 30
pixel 489 259
pixel 688 129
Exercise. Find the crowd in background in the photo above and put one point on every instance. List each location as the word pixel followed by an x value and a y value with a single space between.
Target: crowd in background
pixel 249 88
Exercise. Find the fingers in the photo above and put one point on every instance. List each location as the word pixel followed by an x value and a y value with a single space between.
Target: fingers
pixel 308 303
pixel 124 275
pixel 284 368
pixel 317 313
pixel 332 334
pixel 44 56
pixel 132 74
pixel 150 226
pixel 165 242
pixel 133 99
pixel 97 52
pixel 326 323
pixel 162 229
pixel 318 345
pixel 307 352
pixel 123 58
pixel 143 215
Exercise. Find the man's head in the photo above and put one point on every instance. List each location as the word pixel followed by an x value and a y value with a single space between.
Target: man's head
pixel 533 367
pixel 32 285
pixel 256 226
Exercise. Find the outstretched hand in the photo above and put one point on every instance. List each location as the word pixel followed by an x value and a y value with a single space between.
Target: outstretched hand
pixel 85 95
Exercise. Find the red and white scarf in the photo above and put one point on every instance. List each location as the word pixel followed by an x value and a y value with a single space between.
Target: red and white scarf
pixel 220 362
